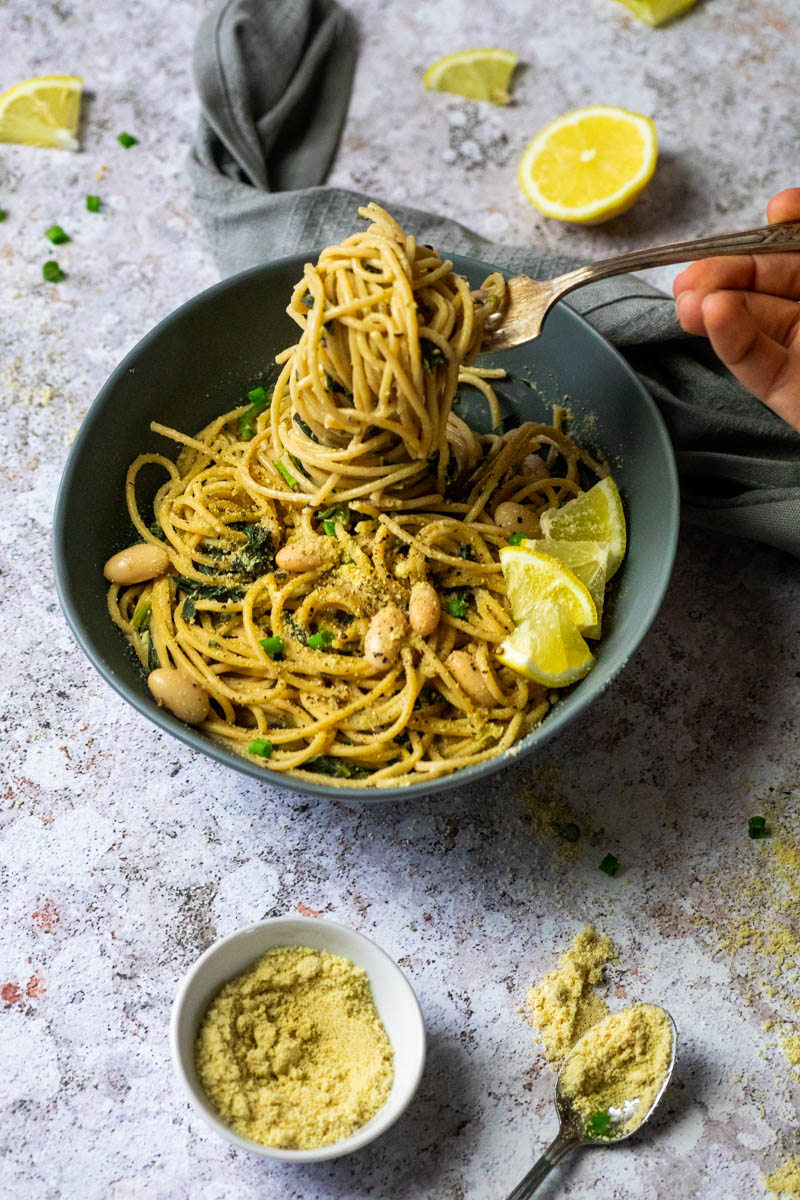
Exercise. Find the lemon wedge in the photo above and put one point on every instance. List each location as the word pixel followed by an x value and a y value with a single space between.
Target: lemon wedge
pixel 657 12
pixel 477 74
pixel 43 111
pixel 549 650
pixel 535 581
pixel 587 560
pixel 595 516
pixel 589 165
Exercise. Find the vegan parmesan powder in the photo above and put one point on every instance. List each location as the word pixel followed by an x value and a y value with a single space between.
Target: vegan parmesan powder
pixel 293 1053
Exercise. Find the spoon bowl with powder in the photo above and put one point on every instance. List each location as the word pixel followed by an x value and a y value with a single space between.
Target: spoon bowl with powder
pixel 609 1085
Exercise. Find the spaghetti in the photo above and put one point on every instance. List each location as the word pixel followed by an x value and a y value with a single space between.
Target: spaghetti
pixel 303 528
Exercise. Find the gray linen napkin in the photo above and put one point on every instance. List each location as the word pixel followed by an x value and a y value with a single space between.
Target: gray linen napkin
pixel 274 78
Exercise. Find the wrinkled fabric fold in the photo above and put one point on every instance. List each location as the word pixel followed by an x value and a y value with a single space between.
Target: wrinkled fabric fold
pixel 274 78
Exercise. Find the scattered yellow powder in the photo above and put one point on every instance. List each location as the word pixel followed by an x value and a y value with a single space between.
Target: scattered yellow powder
pixel 786 1180
pixel 293 1053
pixel 790 1044
pixel 621 1060
pixel 564 1005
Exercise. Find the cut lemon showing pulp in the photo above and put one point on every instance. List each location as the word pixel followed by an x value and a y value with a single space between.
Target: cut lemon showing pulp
pixel 587 560
pixel 589 165
pixel 547 649
pixel 477 74
pixel 42 112
pixel 535 581
pixel 595 516
pixel 656 12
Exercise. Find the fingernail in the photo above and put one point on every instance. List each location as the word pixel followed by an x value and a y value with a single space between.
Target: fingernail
pixel 681 297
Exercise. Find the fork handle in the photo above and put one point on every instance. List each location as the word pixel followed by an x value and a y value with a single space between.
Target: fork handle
pixel 767 239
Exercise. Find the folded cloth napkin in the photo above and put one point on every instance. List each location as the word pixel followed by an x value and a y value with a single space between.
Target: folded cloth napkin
pixel 274 79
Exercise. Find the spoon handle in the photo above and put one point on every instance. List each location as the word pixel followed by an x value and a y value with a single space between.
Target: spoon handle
pixel 767 239
pixel 563 1142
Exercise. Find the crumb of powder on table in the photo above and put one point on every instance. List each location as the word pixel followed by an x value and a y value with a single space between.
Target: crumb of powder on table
pixel 786 1180
pixel 564 1005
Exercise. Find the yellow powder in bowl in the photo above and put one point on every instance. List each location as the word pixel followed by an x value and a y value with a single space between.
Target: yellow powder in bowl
pixel 620 1065
pixel 292 1052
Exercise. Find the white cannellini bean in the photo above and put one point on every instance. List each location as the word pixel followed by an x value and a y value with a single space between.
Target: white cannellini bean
pixel 136 564
pixel 177 690
pixel 515 518
pixel 467 675
pixel 385 634
pixel 424 608
pixel 306 555
pixel 533 465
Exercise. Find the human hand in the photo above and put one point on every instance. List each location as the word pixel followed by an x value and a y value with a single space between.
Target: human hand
pixel 747 306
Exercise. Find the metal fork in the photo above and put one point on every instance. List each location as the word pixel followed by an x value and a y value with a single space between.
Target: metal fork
pixel 530 300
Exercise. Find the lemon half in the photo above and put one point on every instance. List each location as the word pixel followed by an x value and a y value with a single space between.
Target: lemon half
pixel 477 74
pixel 43 111
pixel 589 165
pixel 595 516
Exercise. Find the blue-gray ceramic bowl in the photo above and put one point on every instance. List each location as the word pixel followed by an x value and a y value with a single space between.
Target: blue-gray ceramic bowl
pixel 200 360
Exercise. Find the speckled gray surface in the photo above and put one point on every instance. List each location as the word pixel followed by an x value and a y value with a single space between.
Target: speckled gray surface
pixel 123 855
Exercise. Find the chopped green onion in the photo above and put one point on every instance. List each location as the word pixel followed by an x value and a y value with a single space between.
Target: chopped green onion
pixel 336 512
pixel 51 271
pixel 287 475
pixel 258 397
pixel 321 640
pixel 56 235
pixel 272 646
pixel 3 214
pixel 457 604
pixel 516 539
pixel 127 140
pixel 93 204
pixel 757 827
pixel 246 430
pixel 571 832
pixel 308 300
pixel 141 614
pixel 329 528
pixel 598 1125
pixel 261 746
pixel 610 865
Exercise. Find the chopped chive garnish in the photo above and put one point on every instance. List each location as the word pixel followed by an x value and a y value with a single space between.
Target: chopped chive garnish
pixel 336 512
pixel 516 539
pixel 610 865
pixel 246 430
pixel 272 646
pixel 51 271
pixel 127 140
pixel 287 475
pixel 261 746
pixel 141 614
pixel 93 204
pixel 56 235
pixel 757 827
pixel 598 1125
pixel 571 832
pixel 329 528
pixel 3 214
pixel 321 640
pixel 457 604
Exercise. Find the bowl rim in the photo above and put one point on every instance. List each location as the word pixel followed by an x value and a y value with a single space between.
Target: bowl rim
pixel 378 1124
pixel 139 699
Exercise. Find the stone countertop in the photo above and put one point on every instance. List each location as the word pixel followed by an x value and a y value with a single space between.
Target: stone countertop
pixel 124 854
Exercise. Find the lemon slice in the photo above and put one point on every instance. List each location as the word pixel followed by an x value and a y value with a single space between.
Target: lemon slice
pixel 549 650
pixel 589 165
pixel 587 560
pixel 477 74
pixel 43 111
pixel 535 580
pixel 593 516
pixel 657 12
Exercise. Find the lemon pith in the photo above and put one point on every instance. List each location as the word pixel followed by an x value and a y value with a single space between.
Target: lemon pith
pixel 43 111
pixel 482 74
pixel 589 165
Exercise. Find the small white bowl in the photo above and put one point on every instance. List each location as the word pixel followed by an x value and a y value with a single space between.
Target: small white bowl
pixel 394 997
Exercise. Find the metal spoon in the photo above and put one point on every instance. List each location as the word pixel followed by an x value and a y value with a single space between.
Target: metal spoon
pixel 573 1131
pixel 530 300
